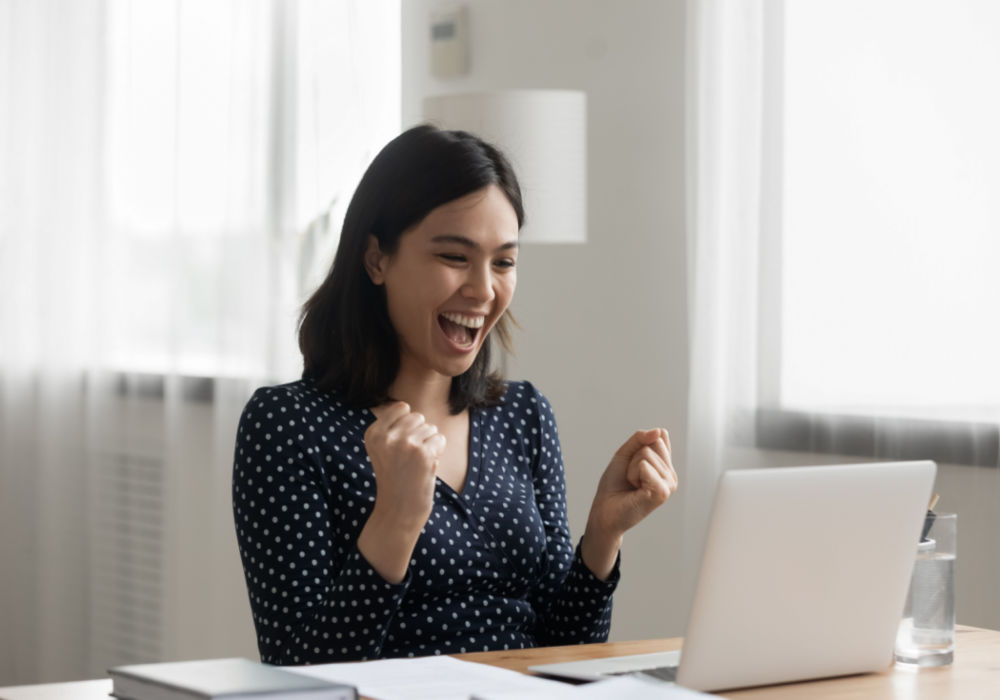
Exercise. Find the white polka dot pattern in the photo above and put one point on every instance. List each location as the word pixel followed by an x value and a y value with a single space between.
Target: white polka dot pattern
pixel 494 567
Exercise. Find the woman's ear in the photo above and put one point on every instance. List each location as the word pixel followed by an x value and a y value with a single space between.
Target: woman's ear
pixel 375 261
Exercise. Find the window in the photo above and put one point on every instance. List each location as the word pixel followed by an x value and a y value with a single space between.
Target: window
pixel 889 218
pixel 231 126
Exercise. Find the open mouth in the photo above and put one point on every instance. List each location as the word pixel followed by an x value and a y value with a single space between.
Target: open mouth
pixel 460 329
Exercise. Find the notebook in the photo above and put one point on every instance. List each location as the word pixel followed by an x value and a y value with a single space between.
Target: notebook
pixel 228 679
pixel 803 575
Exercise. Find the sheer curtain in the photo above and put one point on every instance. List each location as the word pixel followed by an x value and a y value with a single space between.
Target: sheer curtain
pixel 726 136
pixel 172 177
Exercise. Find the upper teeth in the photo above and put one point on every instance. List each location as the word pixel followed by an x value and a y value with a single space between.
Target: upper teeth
pixel 467 321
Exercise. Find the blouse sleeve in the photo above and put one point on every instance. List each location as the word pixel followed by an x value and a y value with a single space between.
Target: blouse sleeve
pixel 313 596
pixel 572 605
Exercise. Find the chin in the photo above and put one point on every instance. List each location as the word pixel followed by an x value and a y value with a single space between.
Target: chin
pixel 459 367
pixel 455 372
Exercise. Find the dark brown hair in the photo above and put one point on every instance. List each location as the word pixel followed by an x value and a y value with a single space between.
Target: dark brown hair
pixel 348 343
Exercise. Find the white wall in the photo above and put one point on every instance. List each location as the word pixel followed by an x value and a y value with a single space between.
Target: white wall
pixel 604 331
pixel 973 493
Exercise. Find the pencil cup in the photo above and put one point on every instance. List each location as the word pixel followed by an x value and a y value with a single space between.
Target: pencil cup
pixel 926 634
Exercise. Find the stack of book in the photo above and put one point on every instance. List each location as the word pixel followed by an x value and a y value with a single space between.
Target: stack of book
pixel 221 679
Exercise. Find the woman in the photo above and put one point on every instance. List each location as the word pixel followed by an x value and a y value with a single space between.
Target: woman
pixel 401 499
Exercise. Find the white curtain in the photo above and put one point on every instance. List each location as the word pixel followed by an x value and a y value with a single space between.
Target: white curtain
pixel 726 131
pixel 172 177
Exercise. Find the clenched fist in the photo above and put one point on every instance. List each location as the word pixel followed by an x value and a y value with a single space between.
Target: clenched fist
pixel 639 478
pixel 404 450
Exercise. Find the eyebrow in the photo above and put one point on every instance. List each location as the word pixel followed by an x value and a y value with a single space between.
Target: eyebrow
pixel 469 243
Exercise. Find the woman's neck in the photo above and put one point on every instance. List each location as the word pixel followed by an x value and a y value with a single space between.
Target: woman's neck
pixel 426 393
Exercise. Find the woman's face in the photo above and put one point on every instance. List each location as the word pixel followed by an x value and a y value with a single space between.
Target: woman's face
pixel 449 281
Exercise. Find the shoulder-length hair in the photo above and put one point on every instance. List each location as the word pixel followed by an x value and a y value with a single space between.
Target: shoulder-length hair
pixel 348 343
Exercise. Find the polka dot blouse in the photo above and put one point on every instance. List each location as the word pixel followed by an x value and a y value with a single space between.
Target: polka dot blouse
pixel 493 568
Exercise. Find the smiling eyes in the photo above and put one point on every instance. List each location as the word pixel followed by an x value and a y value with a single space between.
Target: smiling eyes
pixel 455 258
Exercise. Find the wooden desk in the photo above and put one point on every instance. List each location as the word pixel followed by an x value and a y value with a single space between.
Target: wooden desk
pixel 975 674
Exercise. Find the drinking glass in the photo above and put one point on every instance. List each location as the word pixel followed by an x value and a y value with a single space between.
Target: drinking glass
pixel 926 634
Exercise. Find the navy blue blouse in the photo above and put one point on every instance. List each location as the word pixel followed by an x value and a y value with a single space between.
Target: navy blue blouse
pixel 493 568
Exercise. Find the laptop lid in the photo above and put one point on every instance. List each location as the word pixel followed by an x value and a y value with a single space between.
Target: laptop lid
pixel 804 573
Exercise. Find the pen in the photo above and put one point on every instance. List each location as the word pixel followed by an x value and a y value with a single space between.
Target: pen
pixel 931 515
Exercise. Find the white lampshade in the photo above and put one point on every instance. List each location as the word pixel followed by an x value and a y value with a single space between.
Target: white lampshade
pixel 544 135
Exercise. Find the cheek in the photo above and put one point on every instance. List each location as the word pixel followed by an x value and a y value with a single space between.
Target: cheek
pixel 505 290
pixel 403 309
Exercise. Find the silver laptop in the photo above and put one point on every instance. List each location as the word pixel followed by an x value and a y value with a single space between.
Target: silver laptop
pixel 804 575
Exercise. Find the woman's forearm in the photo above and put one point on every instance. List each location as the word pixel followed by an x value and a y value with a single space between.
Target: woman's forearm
pixel 599 551
pixel 387 544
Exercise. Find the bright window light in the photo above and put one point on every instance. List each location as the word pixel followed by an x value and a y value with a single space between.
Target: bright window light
pixel 891 208
pixel 230 127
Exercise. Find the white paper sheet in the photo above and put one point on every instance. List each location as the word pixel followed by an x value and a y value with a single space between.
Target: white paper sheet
pixel 432 678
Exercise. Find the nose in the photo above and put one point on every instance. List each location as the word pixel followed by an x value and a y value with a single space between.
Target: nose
pixel 479 284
